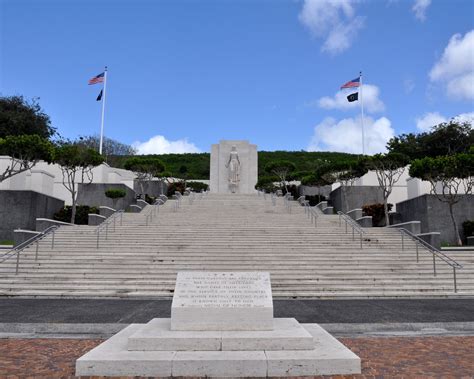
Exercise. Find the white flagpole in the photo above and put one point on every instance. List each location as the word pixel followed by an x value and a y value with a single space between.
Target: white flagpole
pixel 361 113
pixel 103 112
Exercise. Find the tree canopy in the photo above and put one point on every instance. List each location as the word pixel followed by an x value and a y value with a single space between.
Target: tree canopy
pixel 20 117
pixel 444 139
pixel 110 146
pixel 24 152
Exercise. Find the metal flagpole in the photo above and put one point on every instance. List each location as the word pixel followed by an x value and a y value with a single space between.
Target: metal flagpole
pixel 361 113
pixel 103 112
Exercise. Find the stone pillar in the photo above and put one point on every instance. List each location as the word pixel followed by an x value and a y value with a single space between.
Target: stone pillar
pixel 248 172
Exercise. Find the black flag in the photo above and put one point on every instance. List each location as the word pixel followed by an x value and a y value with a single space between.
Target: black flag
pixel 99 98
pixel 353 97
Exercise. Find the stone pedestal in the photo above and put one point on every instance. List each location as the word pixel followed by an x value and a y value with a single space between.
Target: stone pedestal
pixel 187 345
pixel 248 170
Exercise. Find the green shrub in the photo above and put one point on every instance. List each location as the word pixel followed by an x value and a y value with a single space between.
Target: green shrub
pixel 315 199
pixel 468 227
pixel 266 183
pixel 82 211
pixel 175 186
pixel 377 212
pixel 292 190
pixel 115 193
pixel 150 199
pixel 197 186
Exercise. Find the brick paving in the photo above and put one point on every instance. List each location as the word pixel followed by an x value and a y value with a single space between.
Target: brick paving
pixel 387 357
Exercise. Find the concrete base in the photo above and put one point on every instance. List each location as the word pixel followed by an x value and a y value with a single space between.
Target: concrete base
pixel 327 357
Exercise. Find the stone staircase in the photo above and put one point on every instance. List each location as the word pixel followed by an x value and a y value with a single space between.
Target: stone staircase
pixel 231 233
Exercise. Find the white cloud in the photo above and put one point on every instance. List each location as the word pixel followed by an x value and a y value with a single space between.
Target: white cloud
pixel 345 135
pixel 372 102
pixel 160 145
pixel 430 119
pixel 332 20
pixel 409 85
pixel 420 7
pixel 456 67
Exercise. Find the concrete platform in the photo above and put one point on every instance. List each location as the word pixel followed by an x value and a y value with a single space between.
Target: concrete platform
pixel 112 358
pixel 288 334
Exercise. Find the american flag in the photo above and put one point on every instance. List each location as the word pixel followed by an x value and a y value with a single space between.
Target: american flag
pixel 97 79
pixel 352 83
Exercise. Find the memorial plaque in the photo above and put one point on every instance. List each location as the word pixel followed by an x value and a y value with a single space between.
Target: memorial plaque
pixel 222 301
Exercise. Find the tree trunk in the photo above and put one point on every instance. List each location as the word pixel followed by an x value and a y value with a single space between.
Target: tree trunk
pixel 456 231
pixel 385 209
pixel 73 212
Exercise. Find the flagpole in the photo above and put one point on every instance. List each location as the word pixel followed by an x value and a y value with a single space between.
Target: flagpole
pixel 361 113
pixel 103 112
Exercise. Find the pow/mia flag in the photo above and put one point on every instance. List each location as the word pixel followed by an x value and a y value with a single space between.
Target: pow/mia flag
pixel 353 97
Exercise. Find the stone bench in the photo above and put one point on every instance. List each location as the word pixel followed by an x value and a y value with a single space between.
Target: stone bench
pixel 365 221
pixel 355 214
pixel 433 238
pixel 22 235
pixel 44 223
pixel 135 208
pixel 106 211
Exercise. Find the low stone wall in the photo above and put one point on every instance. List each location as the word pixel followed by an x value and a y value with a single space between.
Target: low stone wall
pixel 93 195
pixel 357 197
pixel 20 209
pixel 434 214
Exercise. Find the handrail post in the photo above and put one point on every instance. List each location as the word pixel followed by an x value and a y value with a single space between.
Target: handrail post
pixel 403 243
pixel 417 256
pixel 434 265
pixel 360 235
pixel 17 262
pixel 346 224
pixel 98 237
pixel 455 281
pixel 352 232
pixel 52 240
pixel 36 254
pixel 121 216
pixel 340 222
pixel 114 223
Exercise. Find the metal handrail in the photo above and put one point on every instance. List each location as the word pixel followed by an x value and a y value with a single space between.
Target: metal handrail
pixel 353 224
pixel 436 253
pixel 105 224
pixel 22 246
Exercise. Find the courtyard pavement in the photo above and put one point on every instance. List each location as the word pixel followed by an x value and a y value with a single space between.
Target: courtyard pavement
pixel 417 338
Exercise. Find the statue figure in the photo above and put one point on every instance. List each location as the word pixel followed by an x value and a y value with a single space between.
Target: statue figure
pixel 234 170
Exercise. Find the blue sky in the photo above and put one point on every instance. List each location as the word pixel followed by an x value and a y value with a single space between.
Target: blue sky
pixel 185 74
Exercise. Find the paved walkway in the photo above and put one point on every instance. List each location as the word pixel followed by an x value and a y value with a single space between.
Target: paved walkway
pixel 403 357
pixel 305 311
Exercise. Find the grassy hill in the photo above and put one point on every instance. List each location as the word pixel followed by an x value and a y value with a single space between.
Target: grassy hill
pixel 197 166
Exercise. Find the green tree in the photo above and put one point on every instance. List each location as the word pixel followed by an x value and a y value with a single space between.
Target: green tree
pixel 76 162
pixel 109 147
pixel 388 169
pixel 447 176
pixel 25 152
pixel 449 138
pixel 281 169
pixel 20 117
pixel 145 168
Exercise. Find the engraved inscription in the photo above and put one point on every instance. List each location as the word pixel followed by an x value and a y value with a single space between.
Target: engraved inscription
pixel 223 290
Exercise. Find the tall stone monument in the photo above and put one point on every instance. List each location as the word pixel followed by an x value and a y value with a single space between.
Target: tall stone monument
pixel 221 325
pixel 234 167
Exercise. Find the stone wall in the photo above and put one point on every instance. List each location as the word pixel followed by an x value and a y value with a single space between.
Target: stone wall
pixel 357 196
pixel 19 210
pixel 313 190
pixel 434 215
pixel 94 195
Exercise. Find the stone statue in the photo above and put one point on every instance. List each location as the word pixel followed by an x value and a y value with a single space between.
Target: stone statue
pixel 234 170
